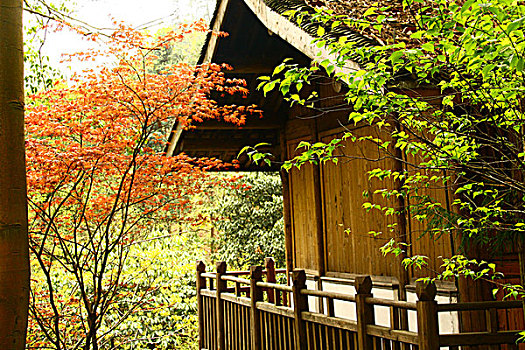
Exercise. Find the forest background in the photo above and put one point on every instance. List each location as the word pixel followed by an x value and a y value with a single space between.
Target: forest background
pixel 115 228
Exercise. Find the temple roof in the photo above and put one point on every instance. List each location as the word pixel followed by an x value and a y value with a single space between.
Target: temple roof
pixel 260 37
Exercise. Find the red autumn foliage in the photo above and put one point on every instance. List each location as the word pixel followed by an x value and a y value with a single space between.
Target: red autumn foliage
pixel 97 177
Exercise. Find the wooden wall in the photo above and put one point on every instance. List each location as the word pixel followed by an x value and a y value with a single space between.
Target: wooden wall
pixel 347 245
pixel 303 215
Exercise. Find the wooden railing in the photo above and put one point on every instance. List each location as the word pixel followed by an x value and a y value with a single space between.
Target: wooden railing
pixel 256 313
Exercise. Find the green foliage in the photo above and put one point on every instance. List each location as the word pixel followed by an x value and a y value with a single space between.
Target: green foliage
pixel 472 53
pixel 166 268
pixel 39 75
pixel 249 220
pixel 157 305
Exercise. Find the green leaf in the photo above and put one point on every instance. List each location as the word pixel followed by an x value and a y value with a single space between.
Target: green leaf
pixel 466 5
pixel 370 11
pixel 268 87
pixel 520 64
pixel 396 55
pixel 277 70
pixel 262 144
pixel 417 35
pixel 243 150
pixel 428 47
pixel 330 69
pixel 514 25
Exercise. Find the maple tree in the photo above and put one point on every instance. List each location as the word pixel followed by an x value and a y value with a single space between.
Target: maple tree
pixel 98 180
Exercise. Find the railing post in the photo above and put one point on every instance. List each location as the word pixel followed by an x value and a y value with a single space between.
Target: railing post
pixel 256 294
pixel 364 311
pixel 221 287
pixel 300 304
pixel 427 317
pixel 201 284
pixel 273 294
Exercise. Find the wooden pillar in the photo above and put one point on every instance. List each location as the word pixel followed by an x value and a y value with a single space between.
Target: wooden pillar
pixel 365 312
pixel 300 304
pixel 287 218
pixel 273 294
pixel 256 294
pixel 288 234
pixel 221 287
pixel 318 195
pixel 427 318
pixel 403 231
pixel 201 284
pixel 287 212
pixel 521 261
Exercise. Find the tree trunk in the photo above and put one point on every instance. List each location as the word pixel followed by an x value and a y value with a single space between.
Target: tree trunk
pixel 14 254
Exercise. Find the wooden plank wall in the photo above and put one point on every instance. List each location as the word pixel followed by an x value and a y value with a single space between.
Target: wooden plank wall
pixel 432 246
pixel 348 247
pixel 303 215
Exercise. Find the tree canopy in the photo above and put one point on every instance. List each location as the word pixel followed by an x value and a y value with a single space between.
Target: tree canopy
pixel 98 180
pixel 466 135
pixel 249 220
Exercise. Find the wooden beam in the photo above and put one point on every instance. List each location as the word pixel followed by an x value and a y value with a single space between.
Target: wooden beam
pixel 216 27
pixel 173 139
pixel 253 68
pixel 478 338
pixel 318 198
pixel 218 126
pixel 219 144
pixel 287 216
pixel 292 34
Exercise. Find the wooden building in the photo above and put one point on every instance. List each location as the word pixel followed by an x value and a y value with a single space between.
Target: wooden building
pixel 326 228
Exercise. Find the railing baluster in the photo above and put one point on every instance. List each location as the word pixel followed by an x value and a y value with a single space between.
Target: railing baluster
pixel 201 284
pixel 427 318
pixel 330 309
pixel 221 287
pixel 256 295
pixel 394 324
pixel 237 289
pixel 269 265
pixel 300 304
pixel 365 312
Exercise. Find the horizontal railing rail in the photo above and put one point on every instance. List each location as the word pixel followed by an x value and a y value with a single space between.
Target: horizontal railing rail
pixel 275 286
pixel 326 294
pixel 258 313
pixel 481 305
